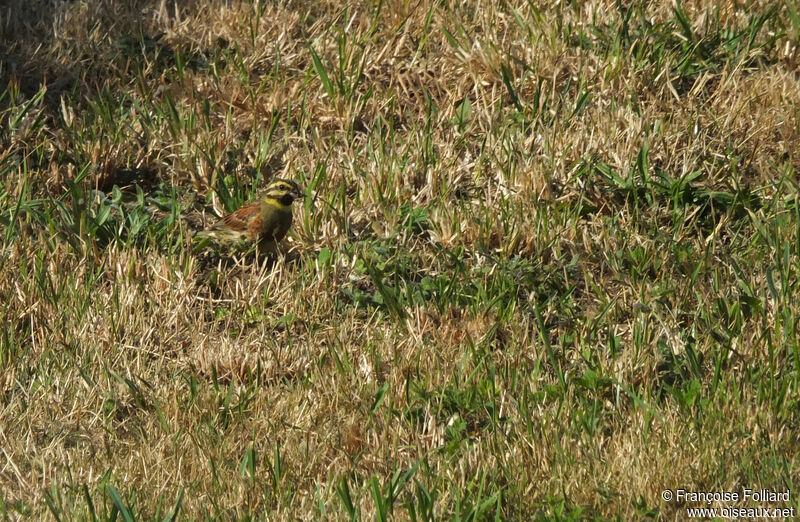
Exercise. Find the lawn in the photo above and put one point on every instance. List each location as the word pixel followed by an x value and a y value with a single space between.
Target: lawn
pixel 545 267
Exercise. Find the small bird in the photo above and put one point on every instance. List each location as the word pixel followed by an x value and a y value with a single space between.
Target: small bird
pixel 266 220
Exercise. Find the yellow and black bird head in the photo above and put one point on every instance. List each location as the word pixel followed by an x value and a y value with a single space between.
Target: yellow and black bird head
pixel 283 192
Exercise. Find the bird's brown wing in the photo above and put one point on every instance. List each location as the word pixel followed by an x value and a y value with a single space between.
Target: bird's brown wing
pixel 240 219
pixel 236 224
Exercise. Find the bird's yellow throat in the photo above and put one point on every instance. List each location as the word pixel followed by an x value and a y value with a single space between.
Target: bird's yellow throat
pixel 275 203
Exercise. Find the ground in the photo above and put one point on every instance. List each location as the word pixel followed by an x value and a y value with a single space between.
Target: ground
pixel 545 266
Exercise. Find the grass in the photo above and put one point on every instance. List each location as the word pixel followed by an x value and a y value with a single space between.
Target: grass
pixel 545 269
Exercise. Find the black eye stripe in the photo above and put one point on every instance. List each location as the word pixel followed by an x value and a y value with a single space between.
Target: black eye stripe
pixel 283 184
pixel 284 190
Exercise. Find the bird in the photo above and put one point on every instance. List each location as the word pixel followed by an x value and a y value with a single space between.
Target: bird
pixel 266 220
